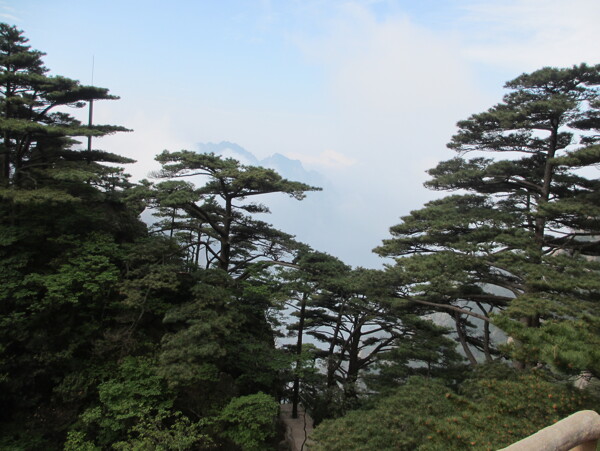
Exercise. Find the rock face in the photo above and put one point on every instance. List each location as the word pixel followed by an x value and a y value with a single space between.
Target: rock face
pixel 297 429
pixel 578 432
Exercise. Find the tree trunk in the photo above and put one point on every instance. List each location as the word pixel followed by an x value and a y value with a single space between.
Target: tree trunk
pixel 463 341
pixel 331 367
pixel 296 390
pixel 225 253
pixel 353 366
pixel 486 334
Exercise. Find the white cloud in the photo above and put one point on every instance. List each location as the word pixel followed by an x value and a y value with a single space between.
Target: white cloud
pixel 394 90
pixel 328 158
pixel 230 153
pixel 390 78
pixel 9 13
pixel 529 34
pixel 152 133
pixel 9 17
pixel 385 90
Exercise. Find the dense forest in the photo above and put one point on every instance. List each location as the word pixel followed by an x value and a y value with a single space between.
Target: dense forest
pixel 482 328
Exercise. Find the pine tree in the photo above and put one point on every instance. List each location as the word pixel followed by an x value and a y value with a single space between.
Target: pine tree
pixel 520 240
pixel 303 284
pixel 36 134
pixel 227 233
pixel 63 219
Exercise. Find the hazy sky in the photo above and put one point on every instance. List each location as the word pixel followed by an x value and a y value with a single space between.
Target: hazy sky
pixel 366 92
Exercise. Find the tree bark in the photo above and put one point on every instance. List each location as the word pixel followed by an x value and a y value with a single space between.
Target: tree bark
pixel 296 389
pixel 463 341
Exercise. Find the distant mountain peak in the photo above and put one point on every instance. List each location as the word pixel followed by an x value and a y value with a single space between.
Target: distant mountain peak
pixel 286 167
pixel 229 150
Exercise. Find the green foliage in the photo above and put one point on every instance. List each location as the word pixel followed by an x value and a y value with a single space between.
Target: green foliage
pixel 518 247
pixel 113 338
pixel 76 441
pixel 134 393
pixel 37 141
pixel 83 273
pixel 241 181
pixel 490 411
pixel 158 431
pixel 65 284
pixel 391 424
pixel 368 339
pixel 16 436
pixel 249 421
pixel 220 344
pixel 63 220
pixel 428 351
pixel 165 432
pixel 216 222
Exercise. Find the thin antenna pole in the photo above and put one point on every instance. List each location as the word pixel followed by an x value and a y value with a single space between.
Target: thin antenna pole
pixel 91 113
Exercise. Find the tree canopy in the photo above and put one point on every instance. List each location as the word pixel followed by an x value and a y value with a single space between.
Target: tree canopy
pixel 187 332
pixel 37 133
pixel 230 237
pixel 520 237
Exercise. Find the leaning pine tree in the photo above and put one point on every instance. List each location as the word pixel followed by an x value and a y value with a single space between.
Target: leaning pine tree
pixel 518 245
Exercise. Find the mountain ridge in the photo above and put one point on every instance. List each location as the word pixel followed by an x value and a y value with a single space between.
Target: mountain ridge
pixel 286 167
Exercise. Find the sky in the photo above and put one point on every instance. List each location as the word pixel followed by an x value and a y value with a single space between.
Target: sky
pixel 365 92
